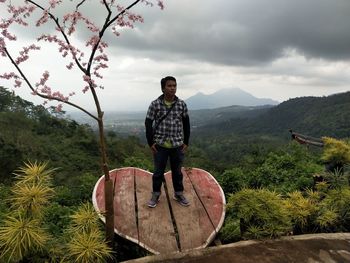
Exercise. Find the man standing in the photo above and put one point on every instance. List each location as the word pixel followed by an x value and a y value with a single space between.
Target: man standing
pixel 168 138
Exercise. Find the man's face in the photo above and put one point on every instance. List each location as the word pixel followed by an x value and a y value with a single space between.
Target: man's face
pixel 170 88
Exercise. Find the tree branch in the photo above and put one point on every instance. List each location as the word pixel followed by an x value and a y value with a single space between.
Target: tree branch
pixel 78 5
pixel 122 12
pixel 107 23
pixel 42 95
pixel 62 32
pixel 107 7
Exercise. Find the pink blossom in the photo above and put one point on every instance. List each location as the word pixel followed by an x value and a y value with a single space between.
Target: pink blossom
pixel 70 65
pixel 98 75
pixel 161 4
pixel 85 89
pixel 59 95
pixel 101 57
pixel 7 35
pixel 43 80
pixel 54 3
pixel 18 83
pixel 9 75
pixel 90 81
pixel 59 107
pixel 24 53
pixel 66 25
pixel 93 41
pixel 2 47
pixel 43 19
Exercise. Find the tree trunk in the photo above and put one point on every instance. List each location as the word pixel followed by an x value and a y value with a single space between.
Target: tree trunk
pixel 108 184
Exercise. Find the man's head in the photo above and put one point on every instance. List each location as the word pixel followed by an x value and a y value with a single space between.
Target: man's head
pixel 164 81
pixel 168 87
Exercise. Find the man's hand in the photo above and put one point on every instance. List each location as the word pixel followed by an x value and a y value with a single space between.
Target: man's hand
pixel 154 149
pixel 184 148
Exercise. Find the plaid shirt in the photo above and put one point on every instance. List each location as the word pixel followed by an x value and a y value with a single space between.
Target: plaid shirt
pixel 171 128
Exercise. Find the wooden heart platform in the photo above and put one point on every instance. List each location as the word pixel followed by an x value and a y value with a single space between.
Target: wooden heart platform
pixel 169 227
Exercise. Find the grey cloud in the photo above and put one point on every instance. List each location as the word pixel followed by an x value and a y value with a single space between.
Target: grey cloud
pixel 234 32
pixel 250 32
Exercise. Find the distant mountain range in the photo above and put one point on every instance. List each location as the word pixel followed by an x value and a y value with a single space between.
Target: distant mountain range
pixel 314 116
pixel 224 98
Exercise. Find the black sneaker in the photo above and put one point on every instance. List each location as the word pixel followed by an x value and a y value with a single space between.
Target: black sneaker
pixel 181 199
pixel 154 200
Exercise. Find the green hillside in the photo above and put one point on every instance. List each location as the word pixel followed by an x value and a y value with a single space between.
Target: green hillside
pixel 316 116
pixel 33 133
pixel 268 181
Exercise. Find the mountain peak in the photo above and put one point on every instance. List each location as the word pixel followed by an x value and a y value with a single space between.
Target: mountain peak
pixel 226 97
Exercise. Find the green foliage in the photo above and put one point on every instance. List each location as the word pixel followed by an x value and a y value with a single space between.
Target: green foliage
pixel 19 236
pixel 138 162
pixel 241 154
pixel 301 209
pixel 230 232
pixel 31 198
pixel 317 116
pixel 334 210
pixel 287 170
pixel 4 196
pixel 336 151
pixel 88 248
pixel 261 212
pixel 22 231
pixel 232 180
pixel 87 242
pixel 34 173
pixel 30 132
pixel 32 190
pixel 84 219
pixel 79 191
pixel 57 218
pixel 24 234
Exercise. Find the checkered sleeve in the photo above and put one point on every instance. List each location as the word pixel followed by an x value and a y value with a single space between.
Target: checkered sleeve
pixel 151 111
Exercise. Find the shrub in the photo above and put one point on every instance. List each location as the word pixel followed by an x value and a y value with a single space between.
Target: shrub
pixel 261 213
pixel 232 180
pixel 336 153
pixel 301 209
pixel 334 210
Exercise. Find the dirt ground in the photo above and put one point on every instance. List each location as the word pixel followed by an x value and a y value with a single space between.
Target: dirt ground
pixel 325 248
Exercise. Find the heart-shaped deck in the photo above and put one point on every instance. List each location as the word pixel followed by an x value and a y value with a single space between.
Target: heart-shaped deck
pixel 169 227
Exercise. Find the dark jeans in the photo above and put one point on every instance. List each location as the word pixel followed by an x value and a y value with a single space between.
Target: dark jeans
pixel 176 157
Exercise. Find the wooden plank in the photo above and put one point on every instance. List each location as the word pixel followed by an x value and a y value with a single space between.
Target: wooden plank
pixel 124 204
pixel 152 228
pixel 193 224
pixel 156 231
pixel 210 193
pixel 98 198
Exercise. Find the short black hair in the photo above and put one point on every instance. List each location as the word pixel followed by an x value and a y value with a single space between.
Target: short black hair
pixel 163 81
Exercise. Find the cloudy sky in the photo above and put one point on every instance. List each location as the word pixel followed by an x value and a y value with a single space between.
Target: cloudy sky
pixel 276 49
